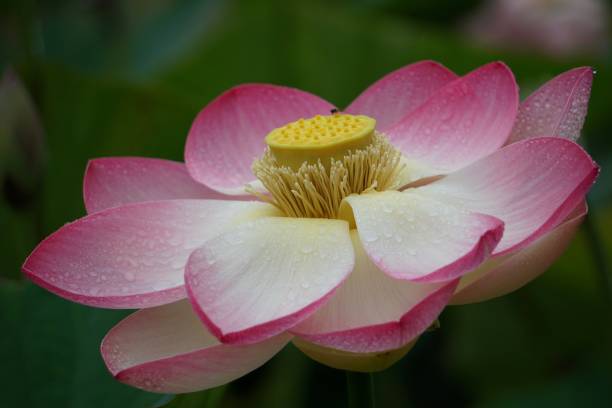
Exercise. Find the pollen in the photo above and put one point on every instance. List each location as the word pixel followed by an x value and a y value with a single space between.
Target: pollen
pixel 320 138
pixel 316 189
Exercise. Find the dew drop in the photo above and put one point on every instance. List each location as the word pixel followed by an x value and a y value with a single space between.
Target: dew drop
pixel 175 241
pixel 369 236
pixel 307 249
pixel 177 264
pixel 291 295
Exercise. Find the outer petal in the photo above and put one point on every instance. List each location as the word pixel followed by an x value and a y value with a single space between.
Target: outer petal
pixel 531 185
pixel 228 134
pixel 167 349
pixel 132 256
pixel 558 108
pixel 400 92
pixel 503 275
pixel 373 312
pixel 114 181
pixel 411 236
pixel 266 276
pixel 460 123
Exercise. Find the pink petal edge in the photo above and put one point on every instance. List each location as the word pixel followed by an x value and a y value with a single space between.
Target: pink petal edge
pixel 461 122
pixel 400 92
pixel 167 349
pixel 386 215
pixel 128 257
pixel 557 108
pixel 228 134
pixel 519 268
pixel 265 319
pixel 262 331
pixel 387 336
pixel 480 251
pixel 531 185
pixel 115 181
pixel 560 214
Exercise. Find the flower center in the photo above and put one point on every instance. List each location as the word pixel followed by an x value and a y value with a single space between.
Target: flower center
pixel 320 138
pixel 311 165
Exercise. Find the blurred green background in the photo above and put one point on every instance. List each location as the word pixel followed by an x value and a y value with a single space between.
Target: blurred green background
pixel 114 78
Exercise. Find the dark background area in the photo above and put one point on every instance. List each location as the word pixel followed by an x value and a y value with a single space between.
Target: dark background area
pixel 84 79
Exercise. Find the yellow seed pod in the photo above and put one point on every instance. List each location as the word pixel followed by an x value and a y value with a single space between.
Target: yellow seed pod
pixel 345 360
pixel 320 138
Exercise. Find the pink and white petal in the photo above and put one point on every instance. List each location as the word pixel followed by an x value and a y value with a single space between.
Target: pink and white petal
pixel 132 256
pixel 500 276
pixel 557 108
pixel 266 276
pixel 372 312
pixel 461 122
pixel 531 185
pixel 166 349
pixel 400 92
pixel 228 134
pixel 411 236
pixel 114 181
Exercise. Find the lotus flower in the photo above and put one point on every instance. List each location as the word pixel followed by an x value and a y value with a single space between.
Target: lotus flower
pixel 559 28
pixel 358 227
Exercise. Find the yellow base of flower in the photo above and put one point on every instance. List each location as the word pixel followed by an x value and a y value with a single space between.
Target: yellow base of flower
pixel 360 362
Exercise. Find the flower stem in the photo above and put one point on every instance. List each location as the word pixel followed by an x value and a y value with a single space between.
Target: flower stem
pixel 360 389
pixel 599 255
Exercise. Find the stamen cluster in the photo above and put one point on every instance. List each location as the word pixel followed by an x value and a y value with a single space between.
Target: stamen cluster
pixel 316 190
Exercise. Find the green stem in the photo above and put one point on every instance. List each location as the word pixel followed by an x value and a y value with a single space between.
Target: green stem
pixel 599 255
pixel 360 389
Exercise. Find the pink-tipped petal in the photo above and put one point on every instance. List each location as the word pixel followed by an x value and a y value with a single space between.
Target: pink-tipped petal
pixel 461 122
pixel 400 92
pixel 372 312
pixel 531 185
pixel 264 277
pixel 500 276
pixel 228 134
pixel 114 181
pixel 411 236
pixel 132 256
pixel 557 108
pixel 166 349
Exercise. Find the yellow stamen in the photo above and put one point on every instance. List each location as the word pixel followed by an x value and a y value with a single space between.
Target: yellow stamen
pixel 308 175
pixel 320 138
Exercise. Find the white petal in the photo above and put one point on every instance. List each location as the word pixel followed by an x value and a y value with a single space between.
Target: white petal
pixel 531 185
pixel 502 275
pixel 266 276
pixel 412 236
pixel 133 256
pixel 168 349
pixel 373 312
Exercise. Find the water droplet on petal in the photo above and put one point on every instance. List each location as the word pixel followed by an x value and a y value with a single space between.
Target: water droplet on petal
pixel 307 249
pixel 369 236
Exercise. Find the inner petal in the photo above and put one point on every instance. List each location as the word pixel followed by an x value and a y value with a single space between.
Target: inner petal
pixel 311 165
